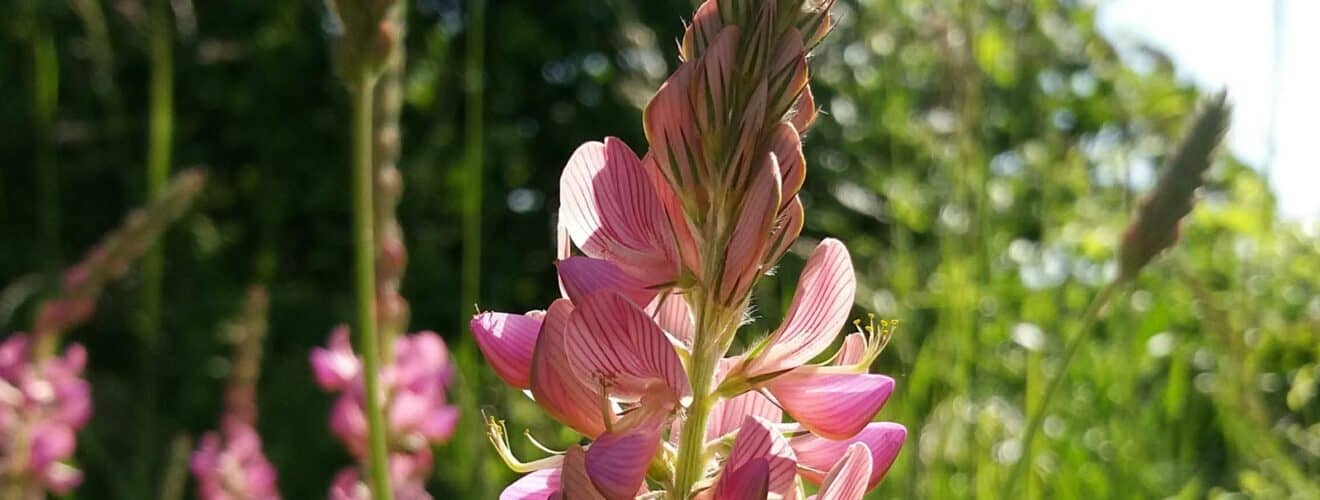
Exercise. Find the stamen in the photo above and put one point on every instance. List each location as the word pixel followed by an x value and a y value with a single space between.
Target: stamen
pixel 498 437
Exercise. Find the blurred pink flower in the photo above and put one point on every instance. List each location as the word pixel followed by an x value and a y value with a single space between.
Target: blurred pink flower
pixel 43 404
pixel 229 465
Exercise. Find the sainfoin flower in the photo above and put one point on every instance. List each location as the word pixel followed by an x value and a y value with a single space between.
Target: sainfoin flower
pixel 635 355
pixel 416 409
pixel 43 404
pixel 229 464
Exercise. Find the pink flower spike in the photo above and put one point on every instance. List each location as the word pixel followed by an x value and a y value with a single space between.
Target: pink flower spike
pixel 758 446
pixel 555 386
pixel 848 479
pixel 507 341
pixel 816 455
pixel 612 344
pixel 585 276
pixel 538 485
pixel 334 367
pixel 611 211
pixel 820 308
pixel 831 405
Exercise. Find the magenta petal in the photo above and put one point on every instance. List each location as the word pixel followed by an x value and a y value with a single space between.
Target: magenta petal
pixel 751 481
pixel 728 414
pixel 759 445
pixel 819 310
pixel 50 443
pixel 574 482
pixel 852 350
pixel 816 454
pixel 507 341
pixel 335 365
pixel 617 461
pixel 831 405
pixel 555 386
pixel 539 485
pixel 585 276
pixel 848 479
pixel 612 342
pixel 611 211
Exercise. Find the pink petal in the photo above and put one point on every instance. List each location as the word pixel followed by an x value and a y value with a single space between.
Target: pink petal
pixel 852 350
pixel 50 443
pixel 759 446
pixel 336 365
pixel 575 482
pixel 555 386
pixel 848 479
pixel 611 211
pixel 820 307
pixel 617 461
pixel 831 405
pixel 750 239
pixel 706 23
pixel 675 143
pixel 804 111
pixel 507 341
pixel 749 482
pixel 672 313
pixel 785 143
pixel 584 276
pixel 716 81
pixel 439 424
pixel 816 455
pixel 539 485
pixel 684 237
pixel 611 342
pixel 728 414
pixel 788 72
pixel 786 231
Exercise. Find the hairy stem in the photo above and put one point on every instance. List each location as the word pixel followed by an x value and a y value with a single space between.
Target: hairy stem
pixel 364 249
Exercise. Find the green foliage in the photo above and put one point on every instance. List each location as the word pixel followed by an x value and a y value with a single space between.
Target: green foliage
pixel 980 159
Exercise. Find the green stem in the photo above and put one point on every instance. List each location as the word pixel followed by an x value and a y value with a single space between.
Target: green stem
pixel 1038 415
pixel 364 246
pixel 160 139
pixel 45 100
pixel 709 346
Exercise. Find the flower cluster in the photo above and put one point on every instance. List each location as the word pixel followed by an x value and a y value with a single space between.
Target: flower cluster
pixel 229 464
pixel 635 356
pixel 416 411
pixel 43 404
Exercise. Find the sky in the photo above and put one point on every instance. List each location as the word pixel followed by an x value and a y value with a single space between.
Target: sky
pixel 1231 44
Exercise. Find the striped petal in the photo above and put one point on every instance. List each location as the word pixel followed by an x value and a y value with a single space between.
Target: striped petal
pixel 831 405
pixel 617 461
pixel 584 276
pixel 706 23
pixel 685 237
pixel 672 313
pixel 819 310
pixel 675 143
pixel 539 485
pixel 750 239
pixel 758 453
pixel 785 143
pixel 555 386
pixel 786 231
pixel 804 113
pixel 507 341
pixel 848 479
pixel 716 80
pixel 575 483
pixel 852 350
pixel 612 343
pixel 728 414
pixel 610 210
pixel 816 455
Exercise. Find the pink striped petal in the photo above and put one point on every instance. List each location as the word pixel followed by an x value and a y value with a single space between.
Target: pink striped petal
pixel 611 211
pixel 555 386
pixel 820 307
pixel 831 405
pixel 852 350
pixel 816 455
pixel 575 482
pixel 539 485
pixel 612 343
pixel 507 341
pixel 750 239
pixel 672 313
pixel 788 73
pixel 749 158
pixel 728 414
pixel 785 143
pixel 684 237
pixel 706 23
pixel 675 142
pixel 716 81
pixel 583 276
pixel 749 482
pixel 786 231
pixel 848 479
pixel 804 113
pixel 758 452
pixel 617 461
